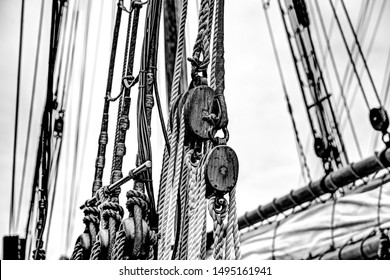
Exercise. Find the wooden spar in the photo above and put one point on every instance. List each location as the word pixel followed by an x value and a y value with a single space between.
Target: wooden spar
pixel 328 184
pixel 361 250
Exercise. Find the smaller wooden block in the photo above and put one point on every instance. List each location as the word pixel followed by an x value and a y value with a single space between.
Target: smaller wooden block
pixel 222 169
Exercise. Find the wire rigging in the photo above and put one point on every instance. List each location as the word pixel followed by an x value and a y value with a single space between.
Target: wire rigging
pixel 11 219
pixel 286 95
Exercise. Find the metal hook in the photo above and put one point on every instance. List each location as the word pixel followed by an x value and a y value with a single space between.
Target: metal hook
pixel 217 140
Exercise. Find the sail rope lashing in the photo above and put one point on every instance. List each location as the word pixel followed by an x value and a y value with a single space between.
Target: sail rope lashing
pixel 378 116
pixel 301 152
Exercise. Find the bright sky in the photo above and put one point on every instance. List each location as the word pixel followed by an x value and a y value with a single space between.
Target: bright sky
pixel 260 126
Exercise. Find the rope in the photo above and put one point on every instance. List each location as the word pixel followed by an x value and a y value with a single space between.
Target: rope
pixel 218 228
pixel 175 184
pixel 286 95
pixel 232 232
pixel 103 137
pixel 327 39
pixel 96 250
pixel 349 54
pixel 361 53
pixel 77 252
pixel 119 248
pixel 202 43
pixel 179 55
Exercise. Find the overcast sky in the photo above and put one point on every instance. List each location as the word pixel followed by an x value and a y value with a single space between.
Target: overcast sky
pixel 260 126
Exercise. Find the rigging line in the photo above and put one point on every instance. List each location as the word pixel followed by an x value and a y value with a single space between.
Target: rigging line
pixel 66 85
pixel 349 54
pixel 333 61
pixel 348 73
pixel 350 78
pixel 69 57
pixel 286 96
pixel 76 170
pixel 335 124
pixel 11 218
pixel 54 190
pixel 322 50
pixel 330 34
pixel 66 180
pixel 289 36
pixel 362 16
pixel 74 187
pixel 30 114
pixel 62 51
pixel 361 29
pixel 103 137
pixel 92 83
pixel 361 52
pixel 369 50
pixel 386 88
pixel 34 187
pixel 116 165
pixel 385 93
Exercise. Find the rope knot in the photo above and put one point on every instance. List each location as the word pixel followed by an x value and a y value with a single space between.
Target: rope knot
pixel 135 197
pixel 112 209
pixel 91 215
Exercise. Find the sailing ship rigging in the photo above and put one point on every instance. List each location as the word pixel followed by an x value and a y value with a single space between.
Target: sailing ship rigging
pixel 169 218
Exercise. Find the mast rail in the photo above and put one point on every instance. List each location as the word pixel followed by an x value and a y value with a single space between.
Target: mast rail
pixel 326 185
pixel 132 174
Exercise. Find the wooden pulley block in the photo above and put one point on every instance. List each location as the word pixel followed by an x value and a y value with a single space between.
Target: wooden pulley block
pixel 221 170
pixel 104 242
pixel 129 228
pixel 199 111
pixel 85 241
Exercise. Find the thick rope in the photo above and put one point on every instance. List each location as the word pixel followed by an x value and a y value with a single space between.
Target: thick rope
pixel 179 54
pixel 232 232
pixel 218 229
pixel 167 175
pixel 181 252
pixel 96 250
pixel 77 252
pixel 119 248
pixel 192 210
pixel 175 186
pixel 202 43
pixel 197 224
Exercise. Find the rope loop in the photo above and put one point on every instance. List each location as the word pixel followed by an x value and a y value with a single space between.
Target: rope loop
pixel 139 198
pixel 111 209
pixel 91 215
